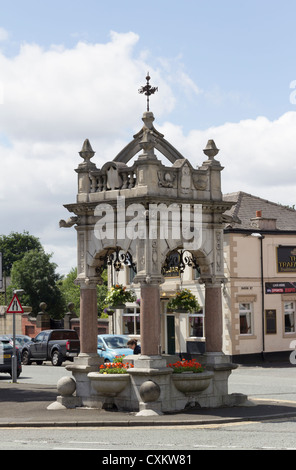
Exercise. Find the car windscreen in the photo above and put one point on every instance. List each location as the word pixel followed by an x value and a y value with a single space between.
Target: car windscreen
pixel 116 342
pixel 20 341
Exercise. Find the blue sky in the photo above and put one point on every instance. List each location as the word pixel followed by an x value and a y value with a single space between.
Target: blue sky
pixel 70 70
pixel 240 53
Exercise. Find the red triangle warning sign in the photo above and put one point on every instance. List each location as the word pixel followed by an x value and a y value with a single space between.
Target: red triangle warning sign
pixel 15 306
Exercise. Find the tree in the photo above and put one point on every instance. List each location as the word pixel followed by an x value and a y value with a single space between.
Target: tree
pixel 36 275
pixel 14 246
pixel 71 292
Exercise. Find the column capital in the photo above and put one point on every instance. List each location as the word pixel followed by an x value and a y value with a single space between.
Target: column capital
pixel 87 282
pixel 212 281
pixel 148 279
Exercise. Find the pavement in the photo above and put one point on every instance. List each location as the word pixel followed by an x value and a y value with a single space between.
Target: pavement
pixel 25 405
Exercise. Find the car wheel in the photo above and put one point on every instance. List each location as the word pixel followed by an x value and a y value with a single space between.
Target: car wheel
pixel 26 358
pixel 56 358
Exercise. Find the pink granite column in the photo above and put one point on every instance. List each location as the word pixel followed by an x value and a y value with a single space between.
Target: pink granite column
pixel 150 319
pixel 213 318
pixel 88 319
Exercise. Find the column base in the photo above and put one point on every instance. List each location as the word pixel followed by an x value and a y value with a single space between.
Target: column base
pixel 81 367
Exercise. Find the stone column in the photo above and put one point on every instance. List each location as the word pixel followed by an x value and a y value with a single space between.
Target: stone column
pixel 150 319
pixel 213 317
pixel 88 318
pixel 88 359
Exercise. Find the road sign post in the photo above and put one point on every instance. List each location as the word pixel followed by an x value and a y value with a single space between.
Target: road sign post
pixel 14 307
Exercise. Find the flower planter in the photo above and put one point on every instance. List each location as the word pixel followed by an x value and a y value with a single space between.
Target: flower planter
pixel 190 382
pixel 108 385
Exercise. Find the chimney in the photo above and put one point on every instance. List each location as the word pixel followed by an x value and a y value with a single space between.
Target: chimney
pixel 263 223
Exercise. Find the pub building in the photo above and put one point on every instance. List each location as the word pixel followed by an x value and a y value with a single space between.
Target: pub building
pixel 259 289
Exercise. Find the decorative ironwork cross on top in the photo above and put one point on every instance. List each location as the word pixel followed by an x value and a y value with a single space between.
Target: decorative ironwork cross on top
pixel 148 90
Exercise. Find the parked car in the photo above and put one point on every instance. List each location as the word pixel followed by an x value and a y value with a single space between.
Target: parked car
pixel 6 353
pixel 20 340
pixel 110 346
pixel 56 346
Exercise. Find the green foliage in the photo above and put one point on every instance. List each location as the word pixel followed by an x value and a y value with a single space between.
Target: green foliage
pixel 71 291
pixel 119 295
pixel 102 291
pixel 14 246
pixel 36 275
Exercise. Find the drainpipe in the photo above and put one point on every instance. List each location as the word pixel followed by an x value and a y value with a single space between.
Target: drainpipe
pixel 261 237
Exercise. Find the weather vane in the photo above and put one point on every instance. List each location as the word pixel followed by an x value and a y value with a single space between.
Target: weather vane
pixel 148 90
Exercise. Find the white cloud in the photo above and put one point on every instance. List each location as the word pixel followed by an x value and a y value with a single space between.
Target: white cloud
pixel 53 99
pixel 258 155
pixel 60 93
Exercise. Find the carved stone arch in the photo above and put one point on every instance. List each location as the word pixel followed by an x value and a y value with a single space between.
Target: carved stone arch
pixel 162 145
pixel 198 257
pixel 100 259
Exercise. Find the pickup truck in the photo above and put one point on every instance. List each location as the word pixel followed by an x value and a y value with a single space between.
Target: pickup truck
pixel 56 346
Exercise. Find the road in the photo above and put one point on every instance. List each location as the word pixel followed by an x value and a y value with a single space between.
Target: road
pixel 258 382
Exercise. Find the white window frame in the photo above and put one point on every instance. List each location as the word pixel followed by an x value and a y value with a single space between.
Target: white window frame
pixel 196 315
pixel 290 311
pixel 248 313
pixel 135 314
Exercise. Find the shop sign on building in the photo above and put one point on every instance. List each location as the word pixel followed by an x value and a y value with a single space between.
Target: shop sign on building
pixel 280 287
pixel 286 259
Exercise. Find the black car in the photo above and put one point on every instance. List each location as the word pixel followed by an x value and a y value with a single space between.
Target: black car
pixel 20 340
pixel 6 353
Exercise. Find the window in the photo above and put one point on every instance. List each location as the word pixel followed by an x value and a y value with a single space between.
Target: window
pixel 131 321
pixel 196 272
pixel 245 318
pixel 132 273
pixel 196 325
pixel 289 309
pixel 100 343
pixel 62 335
pixel 171 267
pixel 40 337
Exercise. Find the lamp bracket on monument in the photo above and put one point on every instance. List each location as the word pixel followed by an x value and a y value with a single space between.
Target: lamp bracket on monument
pixel 116 258
pixel 177 261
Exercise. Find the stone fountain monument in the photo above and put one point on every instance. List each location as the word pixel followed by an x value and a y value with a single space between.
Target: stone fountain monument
pixel 145 211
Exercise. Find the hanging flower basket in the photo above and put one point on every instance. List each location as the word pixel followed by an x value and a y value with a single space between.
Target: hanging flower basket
pixel 184 301
pixel 118 296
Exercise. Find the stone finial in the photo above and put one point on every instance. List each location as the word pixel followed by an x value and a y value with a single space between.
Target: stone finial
pixel 86 152
pixel 43 307
pixel 211 150
pixel 147 143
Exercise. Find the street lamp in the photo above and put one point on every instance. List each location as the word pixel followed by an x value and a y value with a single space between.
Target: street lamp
pixel 261 237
